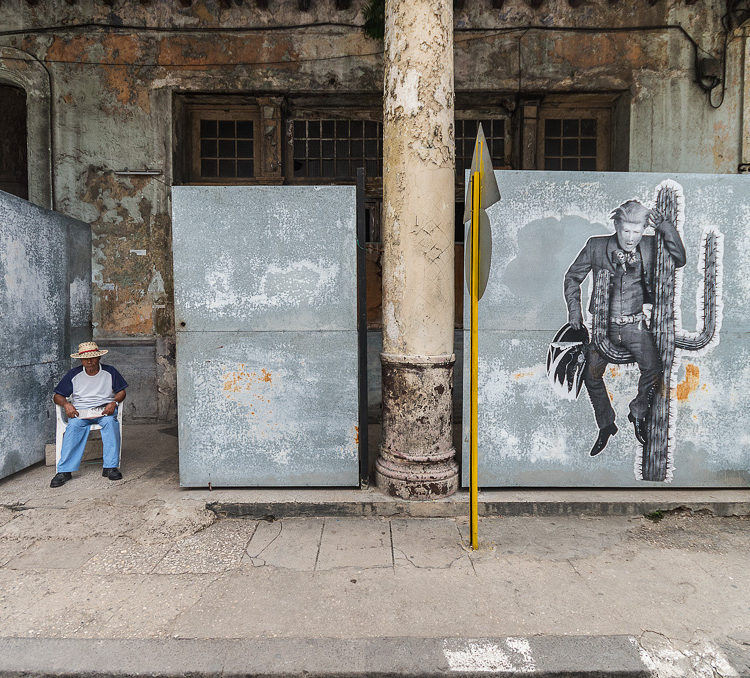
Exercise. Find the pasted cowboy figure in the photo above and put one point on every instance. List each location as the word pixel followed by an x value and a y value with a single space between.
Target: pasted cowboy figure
pixel 630 258
pixel 95 391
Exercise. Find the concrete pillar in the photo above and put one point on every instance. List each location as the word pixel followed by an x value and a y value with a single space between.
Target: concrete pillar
pixel 417 457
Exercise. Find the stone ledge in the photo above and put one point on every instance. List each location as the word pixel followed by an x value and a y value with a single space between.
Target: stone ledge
pixel 340 503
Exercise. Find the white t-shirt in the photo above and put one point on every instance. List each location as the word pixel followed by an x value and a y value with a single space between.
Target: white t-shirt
pixel 91 391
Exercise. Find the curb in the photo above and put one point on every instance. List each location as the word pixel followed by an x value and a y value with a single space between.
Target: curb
pixel 389 508
pixel 539 656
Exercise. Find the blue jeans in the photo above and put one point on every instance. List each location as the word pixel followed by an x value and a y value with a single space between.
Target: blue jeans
pixel 76 435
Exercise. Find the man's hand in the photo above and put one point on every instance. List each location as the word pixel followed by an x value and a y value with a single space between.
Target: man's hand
pixel 70 411
pixel 575 323
pixel 656 219
pixel 109 409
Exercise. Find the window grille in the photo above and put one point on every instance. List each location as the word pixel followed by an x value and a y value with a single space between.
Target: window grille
pixel 570 144
pixel 335 148
pixel 227 148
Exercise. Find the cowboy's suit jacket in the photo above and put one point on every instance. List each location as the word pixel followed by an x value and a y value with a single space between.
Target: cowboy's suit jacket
pixel 597 254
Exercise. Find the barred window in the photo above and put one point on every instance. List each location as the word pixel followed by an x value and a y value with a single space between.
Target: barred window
pixel 575 134
pixel 226 148
pixel 335 148
pixel 570 144
pixel 223 145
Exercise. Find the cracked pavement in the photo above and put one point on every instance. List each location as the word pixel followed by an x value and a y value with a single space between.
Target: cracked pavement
pixel 143 559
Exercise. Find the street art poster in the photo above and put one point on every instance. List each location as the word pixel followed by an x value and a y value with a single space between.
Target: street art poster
pixel 612 335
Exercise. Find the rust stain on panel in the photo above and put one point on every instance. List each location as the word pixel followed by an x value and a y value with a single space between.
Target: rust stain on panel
pixel 690 383
pixel 242 384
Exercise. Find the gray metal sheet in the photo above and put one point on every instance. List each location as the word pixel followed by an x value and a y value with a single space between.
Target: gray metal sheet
pixel 529 437
pixel 33 283
pixel 27 420
pixel 264 258
pixel 265 297
pixel 45 305
pixel 267 408
pixel 544 219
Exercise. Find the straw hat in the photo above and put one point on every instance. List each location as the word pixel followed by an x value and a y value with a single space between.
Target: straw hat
pixel 88 349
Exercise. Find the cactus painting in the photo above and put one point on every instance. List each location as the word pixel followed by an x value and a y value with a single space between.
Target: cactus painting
pixel 656 462
pixel 607 359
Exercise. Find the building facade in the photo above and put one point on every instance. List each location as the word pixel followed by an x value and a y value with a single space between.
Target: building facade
pixel 108 104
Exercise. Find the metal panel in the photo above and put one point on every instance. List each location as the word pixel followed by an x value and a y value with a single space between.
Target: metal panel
pixel 27 419
pixel 264 258
pixel 529 437
pixel 265 284
pixel 267 408
pixel 33 283
pixel 45 303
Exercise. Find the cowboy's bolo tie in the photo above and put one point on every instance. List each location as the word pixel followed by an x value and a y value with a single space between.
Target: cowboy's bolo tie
pixel 625 259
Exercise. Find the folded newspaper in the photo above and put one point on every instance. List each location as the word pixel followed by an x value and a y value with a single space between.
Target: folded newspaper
pixel 91 412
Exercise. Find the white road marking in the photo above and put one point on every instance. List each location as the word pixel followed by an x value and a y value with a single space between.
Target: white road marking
pixel 512 654
pixel 700 659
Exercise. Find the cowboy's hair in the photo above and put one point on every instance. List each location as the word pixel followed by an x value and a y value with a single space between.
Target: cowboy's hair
pixel 630 210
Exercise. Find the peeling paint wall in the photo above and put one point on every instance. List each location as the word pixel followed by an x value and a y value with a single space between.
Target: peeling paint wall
pixel 418 179
pixel 45 269
pixel 109 96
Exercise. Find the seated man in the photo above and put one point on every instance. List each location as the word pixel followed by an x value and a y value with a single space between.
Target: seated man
pixel 96 391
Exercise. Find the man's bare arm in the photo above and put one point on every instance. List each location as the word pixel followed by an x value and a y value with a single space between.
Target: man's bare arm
pixel 70 411
pixel 109 409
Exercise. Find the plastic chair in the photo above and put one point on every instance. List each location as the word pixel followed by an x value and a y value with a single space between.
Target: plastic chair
pixel 62 424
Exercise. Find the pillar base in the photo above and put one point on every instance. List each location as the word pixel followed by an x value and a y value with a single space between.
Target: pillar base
pixel 417 457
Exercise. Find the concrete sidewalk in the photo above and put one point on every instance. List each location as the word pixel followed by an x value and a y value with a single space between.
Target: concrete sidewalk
pixel 141 577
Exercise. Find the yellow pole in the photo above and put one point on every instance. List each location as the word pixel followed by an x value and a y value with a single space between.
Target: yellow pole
pixel 475 203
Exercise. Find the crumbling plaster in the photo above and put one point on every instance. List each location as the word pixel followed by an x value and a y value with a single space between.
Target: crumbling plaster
pixel 115 110
pixel 418 179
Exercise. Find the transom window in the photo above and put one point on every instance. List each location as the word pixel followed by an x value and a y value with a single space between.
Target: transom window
pixel 226 148
pixel 570 144
pixel 574 134
pixel 223 144
pixel 335 148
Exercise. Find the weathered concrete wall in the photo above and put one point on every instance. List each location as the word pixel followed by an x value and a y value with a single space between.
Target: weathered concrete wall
pixel 109 95
pixel 529 435
pixel 45 273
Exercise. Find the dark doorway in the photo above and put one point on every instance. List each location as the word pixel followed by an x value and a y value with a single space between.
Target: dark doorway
pixel 13 158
